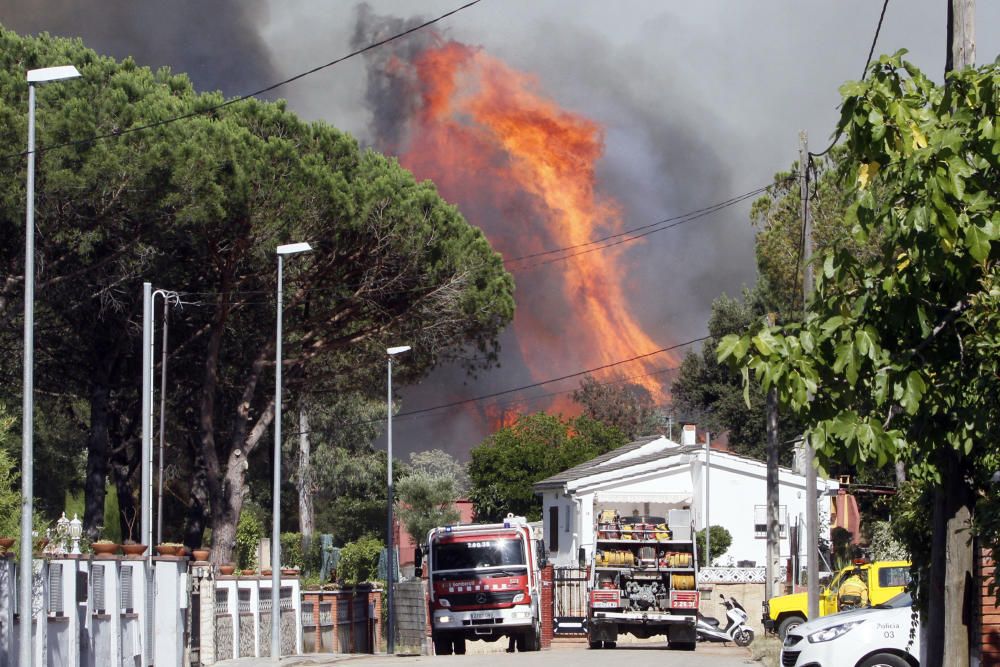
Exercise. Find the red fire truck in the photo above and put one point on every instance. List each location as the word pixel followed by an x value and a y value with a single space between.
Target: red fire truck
pixel 485 583
pixel 643 579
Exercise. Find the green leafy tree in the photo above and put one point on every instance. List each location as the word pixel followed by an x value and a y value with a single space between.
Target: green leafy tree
pixel 624 405
pixel 427 493
pixel 712 393
pixel 359 561
pixel 352 498
pixel 722 539
pixel 897 357
pixel 199 206
pixel 508 462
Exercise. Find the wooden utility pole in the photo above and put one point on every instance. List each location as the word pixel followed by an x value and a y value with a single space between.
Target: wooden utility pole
pixel 772 565
pixel 708 497
pixel 961 48
pixel 952 584
pixel 772 562
pixel 812 510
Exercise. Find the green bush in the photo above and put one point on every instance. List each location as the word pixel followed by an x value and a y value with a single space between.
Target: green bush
pixel 291 550
pixel 249 532
pixel 721 539
pixel 359 561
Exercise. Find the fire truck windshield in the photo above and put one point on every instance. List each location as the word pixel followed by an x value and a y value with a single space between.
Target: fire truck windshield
pixel 478 554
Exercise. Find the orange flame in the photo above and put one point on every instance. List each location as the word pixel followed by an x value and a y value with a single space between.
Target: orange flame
pixel 500 149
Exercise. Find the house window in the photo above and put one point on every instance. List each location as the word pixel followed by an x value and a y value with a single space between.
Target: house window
pixel 554 528
pixel 760 521
pixel 569 518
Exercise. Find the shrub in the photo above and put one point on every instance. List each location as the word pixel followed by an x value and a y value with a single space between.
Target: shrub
pixel 249 532
pixel 291 550
pixel 359 561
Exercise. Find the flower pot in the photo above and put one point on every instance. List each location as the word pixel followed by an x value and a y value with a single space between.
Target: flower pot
pixel 201 554
pixel 266 572
pixel 104 548
pixel 167 549
pixel 41 543
pixel 133 549
pixel 6 543
pixel 247 572
pixel 289 571
pixel 226 570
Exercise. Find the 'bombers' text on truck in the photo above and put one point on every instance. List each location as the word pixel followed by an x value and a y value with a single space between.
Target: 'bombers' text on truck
pixel 485 583
pixel 643 579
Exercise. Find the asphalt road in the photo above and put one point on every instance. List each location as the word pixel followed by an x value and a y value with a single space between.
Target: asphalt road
pixel 645 654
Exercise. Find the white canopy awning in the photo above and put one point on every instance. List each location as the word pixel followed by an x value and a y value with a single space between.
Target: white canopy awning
pixel 663 498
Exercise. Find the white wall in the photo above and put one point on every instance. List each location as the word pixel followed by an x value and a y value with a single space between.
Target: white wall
pixel 737 486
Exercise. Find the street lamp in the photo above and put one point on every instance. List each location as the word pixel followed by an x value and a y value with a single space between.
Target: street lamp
pixel 390 561
pixel 27 415
pixel 289 249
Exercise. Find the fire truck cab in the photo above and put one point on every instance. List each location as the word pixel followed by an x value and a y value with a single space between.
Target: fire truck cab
pixel 485 583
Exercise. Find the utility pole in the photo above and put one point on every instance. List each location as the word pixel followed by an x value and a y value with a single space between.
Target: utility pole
pixel 949 623
pixel 812 510
pixel 708 496
pixel 772 564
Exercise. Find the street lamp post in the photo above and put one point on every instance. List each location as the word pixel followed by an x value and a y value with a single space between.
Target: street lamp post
pixel 27 416
pixel 390 560
pixel 282 250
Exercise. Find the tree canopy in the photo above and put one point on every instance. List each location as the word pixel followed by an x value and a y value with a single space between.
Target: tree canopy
pixel 427 493
pixel 897 355
pixel 507 463
pixel 627 406
pixel 198 206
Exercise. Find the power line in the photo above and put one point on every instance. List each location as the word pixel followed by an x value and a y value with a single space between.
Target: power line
pixel 424 411
pixel 868 61
pixel 551 380
pixel 676 220
pixel 241 98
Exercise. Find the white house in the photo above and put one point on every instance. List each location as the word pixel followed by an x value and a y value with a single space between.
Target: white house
pixel 654 475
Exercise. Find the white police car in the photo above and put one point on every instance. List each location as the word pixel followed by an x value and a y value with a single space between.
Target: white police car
pixel 885 634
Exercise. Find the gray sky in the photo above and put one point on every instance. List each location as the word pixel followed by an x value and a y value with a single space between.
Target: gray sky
pixel 700 101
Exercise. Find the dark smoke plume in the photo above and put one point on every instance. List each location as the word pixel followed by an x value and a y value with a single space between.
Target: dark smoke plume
pixel 389 93
pixel 214 42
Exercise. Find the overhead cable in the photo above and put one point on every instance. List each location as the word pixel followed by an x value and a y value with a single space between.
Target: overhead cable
pixel 868 61
pixel 241 98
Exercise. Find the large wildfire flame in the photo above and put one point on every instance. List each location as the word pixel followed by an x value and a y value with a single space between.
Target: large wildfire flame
pixel 523 169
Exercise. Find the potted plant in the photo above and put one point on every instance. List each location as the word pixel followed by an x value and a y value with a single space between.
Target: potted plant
pixel 5 544
pixel 169 548
pixel 129 546
pixel 227 569
pixel 201 555
pixel 104 547
pixel 247 572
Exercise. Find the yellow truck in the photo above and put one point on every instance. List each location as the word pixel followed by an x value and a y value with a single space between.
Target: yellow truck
pixel 883 579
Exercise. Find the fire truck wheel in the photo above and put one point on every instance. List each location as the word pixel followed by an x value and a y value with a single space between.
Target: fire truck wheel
pixel 596 645
pixel 681 646
pixel 460 646
pixel 530 640
pixel 442 645
pixel 610 644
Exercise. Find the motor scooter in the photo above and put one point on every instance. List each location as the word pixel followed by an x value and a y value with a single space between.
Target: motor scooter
pixel 736 630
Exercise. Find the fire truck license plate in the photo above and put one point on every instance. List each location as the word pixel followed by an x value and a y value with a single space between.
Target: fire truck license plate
pixel 482 614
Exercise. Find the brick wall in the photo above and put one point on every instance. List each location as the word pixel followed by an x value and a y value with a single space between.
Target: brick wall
pixel 990 613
